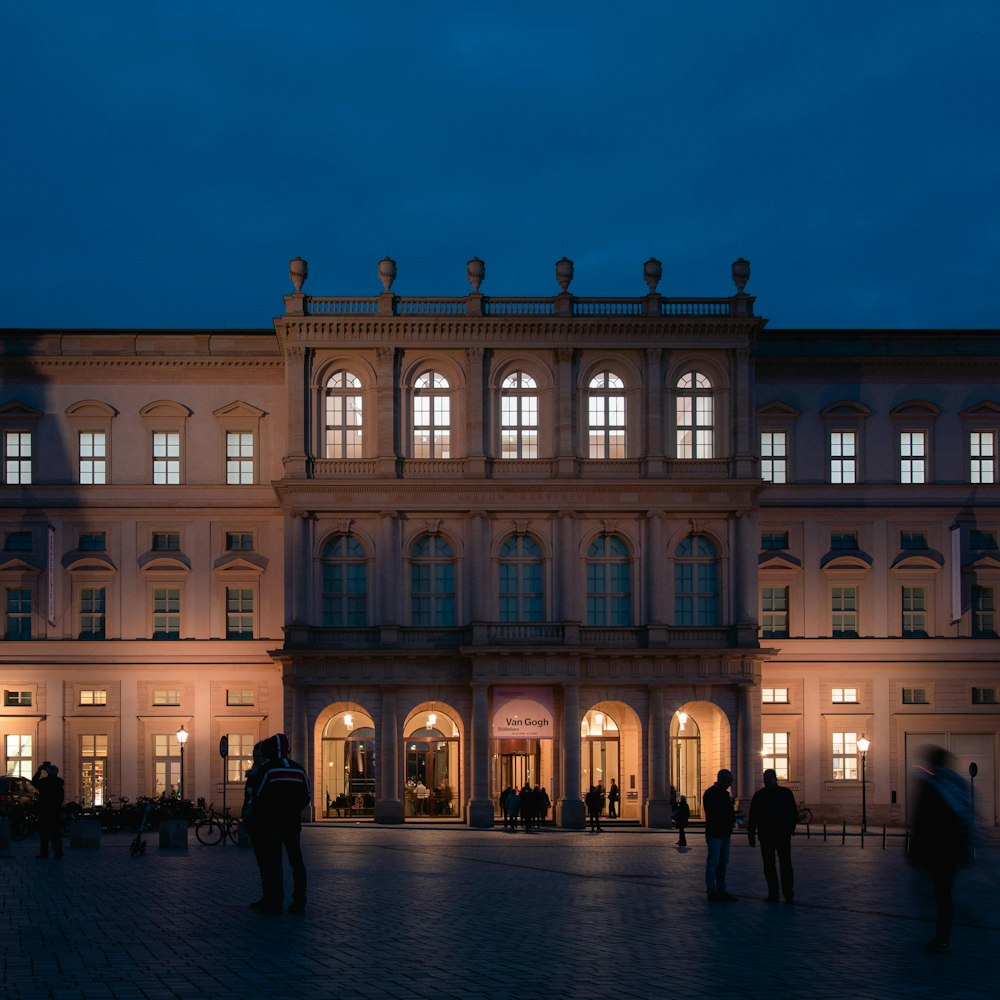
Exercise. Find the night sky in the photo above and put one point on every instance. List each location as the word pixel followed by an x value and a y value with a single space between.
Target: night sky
pixel 163 161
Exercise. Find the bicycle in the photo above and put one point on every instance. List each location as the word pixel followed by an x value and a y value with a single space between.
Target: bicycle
pixel 805 815
pixel 217 829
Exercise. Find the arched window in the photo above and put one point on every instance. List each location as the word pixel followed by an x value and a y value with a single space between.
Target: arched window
pixel 695 417
pixel 431 416
pixel 519 417
pixel 432 582
pixel 609 582
pixel 606 416
pixel 521 596
pixel 343 416
pixel 696 582
pixel 345 582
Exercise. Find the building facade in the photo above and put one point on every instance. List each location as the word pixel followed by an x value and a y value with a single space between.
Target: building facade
pixel 455 544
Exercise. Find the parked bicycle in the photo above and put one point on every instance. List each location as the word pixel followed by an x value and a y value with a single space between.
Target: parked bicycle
pixel 805 815
pixel 217 829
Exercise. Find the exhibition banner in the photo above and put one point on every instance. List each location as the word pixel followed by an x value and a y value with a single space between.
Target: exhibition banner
pixel 523 713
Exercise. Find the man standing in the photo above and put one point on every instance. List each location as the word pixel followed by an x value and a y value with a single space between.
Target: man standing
pixel 50 800
pixel 277 792
pixel 719 818
pixel 613 796
pixel 773 815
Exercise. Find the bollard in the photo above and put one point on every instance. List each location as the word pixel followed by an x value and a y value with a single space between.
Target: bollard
pixel 843 835
pixel 174 834
pixel 85 833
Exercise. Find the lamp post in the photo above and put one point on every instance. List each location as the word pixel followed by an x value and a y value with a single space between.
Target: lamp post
pixel 182 738
pixel 863 745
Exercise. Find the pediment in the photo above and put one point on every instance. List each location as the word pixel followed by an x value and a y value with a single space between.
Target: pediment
pixel 916 561
pixel 90 562
pixel 782 562
pixel 987 408
pixel 175 562
pixel 846 408
pixel 240 562
pixel 777 408
pixel 834 562
pixel 18 564
pixel 164 408
pixel 91 408
pixel 916 408
pixel 15 408
pixel 238 408
pixel 988 561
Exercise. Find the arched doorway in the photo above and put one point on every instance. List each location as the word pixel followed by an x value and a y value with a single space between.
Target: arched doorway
pixel 431 768
pixel 685 759
pixel 349 765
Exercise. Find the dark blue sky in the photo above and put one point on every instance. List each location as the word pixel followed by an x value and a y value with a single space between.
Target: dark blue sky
pixel 163 161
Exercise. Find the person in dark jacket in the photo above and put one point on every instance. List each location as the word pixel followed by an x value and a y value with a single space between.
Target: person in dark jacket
pixel 613 796
pixel 51 792
pixel 720 815
pixel 277 792
pixel 511 808
pixel 681 818
pixel 594 801
pixel 942 840
pixel 773 816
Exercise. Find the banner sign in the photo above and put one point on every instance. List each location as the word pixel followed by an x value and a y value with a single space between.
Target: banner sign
pixel 523 713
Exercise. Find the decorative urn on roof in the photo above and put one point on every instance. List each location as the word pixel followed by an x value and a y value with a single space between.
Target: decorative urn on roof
pixel 652 271
pixel 741 274
pixel 387 272
pixel 564 273
pixel 475 271
pixel 298 271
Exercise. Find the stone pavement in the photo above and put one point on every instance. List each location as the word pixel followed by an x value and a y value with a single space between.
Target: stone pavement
pixel 416 911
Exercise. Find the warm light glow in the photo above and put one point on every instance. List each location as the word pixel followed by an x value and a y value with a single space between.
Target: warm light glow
pixel 584 728
pixel 598 720
pixel 431 719
pixel 682 718
pixel 182 736
pixel 349 721
pixel 864 744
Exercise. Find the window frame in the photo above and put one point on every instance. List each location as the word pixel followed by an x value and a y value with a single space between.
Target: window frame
pixel 695 416
pixel 344 440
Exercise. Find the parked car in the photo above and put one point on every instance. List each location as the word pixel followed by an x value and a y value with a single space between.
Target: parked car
pixel 16 790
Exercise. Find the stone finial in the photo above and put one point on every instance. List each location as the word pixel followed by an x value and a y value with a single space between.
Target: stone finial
pixel 652 271
pixel 298 271
pixel 564 273
pixel 741 274
pixel 475 271
pixel 387 272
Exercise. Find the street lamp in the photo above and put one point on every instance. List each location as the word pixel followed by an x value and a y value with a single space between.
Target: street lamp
pixel 182 738
pixel 863 745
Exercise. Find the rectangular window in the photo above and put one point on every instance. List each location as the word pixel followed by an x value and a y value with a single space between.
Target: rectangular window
pixel 17 458
pixel 93 769
pixel 18 753
pixel 773 456
pixel 774 612
pixel 239 541
pixel 914 613
pixel 774 696
pixel 239 458
pixel 914 696
pixel 844 612
pixel 982 541
pixel 843 457
pixel 845 756
pixel 166 696
pixel 239 696
pixel 913 457
pixel 984 696
pixel 166 764
pixel 166 458
pixel 844 696
pixel 774 753
pixel 912 540
pixel 844 541
pixel 166 541
pixel 92 541
pixel 240 758
pixel 17 699
pixel 166 613
pixel 17 541
pixel 92 613
pixel 982 453
pixel 776 541
pixel 984 612
pixel 93 696
pixel 93 458
pixel 239 613
pixel 18 615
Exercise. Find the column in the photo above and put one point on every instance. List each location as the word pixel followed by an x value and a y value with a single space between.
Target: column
pixel 389 804
pixel 475 417
pixel 480 803
pixel 298 564
pixel 478 562
pixel 565 405
pixel 296 394
pixel 569 579
pixel 386 423
pixel 746 547
pixel 654 449
pixel 658 813
pixel 570 810
pixel 657 566
pixel 746 774
pixel 389 570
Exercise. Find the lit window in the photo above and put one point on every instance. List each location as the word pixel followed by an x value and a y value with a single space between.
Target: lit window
pixel 606 416
pixel 166 458
pixel 240 757
pixel 521 598
pixel 695 417
pixel 844 696
pixel 845 756
pixel 17 458
pixel 914 612
pixel 18 613
pixel 92 612
pixel 93 458
pixel 912 457
pixel 609 582
pixel 914 696
pixel 519 417
pixel 774 612
pixel 696 582
pixel 239 458
pixel 843 457
pixel 773 456
pixel 166 764
pixel 18 754
pixel 345 582
pixel 166 613
pixel 93 696
pixel 774 696
pixel 774 753
pixel 982 452
pixel 239 613
pixel 93 769
pixel 432 582
pixel 984 612
pixel 431 416
pixel 344 426
pixel 166 696
pixel 844 612
pixel 239 696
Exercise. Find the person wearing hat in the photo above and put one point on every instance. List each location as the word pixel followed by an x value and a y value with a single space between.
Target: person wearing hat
pixel 51 791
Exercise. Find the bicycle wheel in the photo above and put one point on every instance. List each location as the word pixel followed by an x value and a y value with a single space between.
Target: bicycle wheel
pixel 234 830
pixel 805 815
pixel 209 832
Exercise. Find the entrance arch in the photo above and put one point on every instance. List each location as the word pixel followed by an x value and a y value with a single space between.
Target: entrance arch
pixel 432 771
pixel 700 742
pixel 348 763
pixel 609 751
